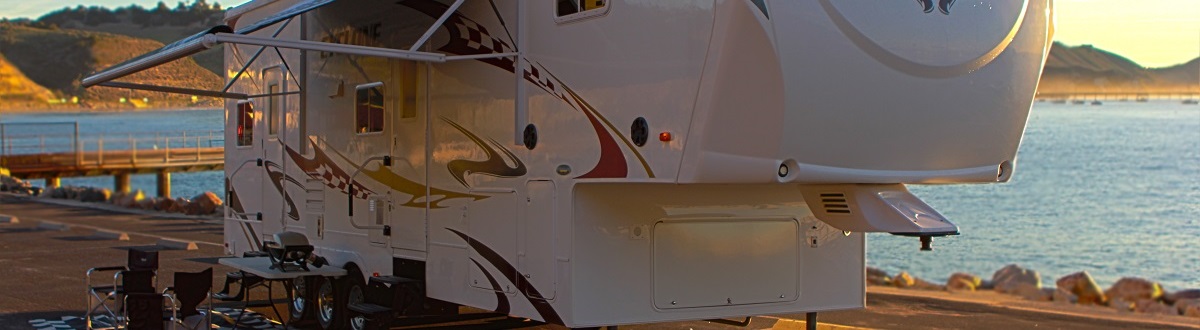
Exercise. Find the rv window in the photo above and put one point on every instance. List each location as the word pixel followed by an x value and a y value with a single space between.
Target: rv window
pixel 569 7
pixel 273 112
pixel 245 124
pixel 368 109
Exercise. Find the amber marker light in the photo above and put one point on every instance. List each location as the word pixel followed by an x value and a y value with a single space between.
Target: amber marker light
pixel 664 136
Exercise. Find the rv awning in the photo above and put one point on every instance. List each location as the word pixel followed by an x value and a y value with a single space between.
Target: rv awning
pixel 224 34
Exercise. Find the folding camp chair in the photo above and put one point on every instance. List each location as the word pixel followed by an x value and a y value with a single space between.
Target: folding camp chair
pixel 138 276
pixel 188 291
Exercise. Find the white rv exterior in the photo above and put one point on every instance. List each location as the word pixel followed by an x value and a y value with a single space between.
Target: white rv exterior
pixel 693 159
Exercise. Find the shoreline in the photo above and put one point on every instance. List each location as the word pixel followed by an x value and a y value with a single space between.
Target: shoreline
pixel 81 110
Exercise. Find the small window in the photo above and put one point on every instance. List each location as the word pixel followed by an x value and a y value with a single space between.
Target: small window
pixel 245 124
pixel 572 7
pixel 368 108
pixel 273 110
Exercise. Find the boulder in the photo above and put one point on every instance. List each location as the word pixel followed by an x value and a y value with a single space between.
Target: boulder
pixel 903 280
pixel 1172 297
pixel 1184 305
pixel 963 282
pixel 95 195
pixel 1152 306
pixel 180 205
pixel 1031 292
pixel 1082 286
pixel 131 200
pixel 1061 296
pixel 921 284
pixel 147 204
pixel 1120 304
pixel 876 276
pixel 1007 279
pixel 205 203
pixel 1134 289
pixel 164 204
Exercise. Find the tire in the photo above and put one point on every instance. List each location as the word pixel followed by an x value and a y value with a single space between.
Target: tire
pixel 333 295
pixel 303 307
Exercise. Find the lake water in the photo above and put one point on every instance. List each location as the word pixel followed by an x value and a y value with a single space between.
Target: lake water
pixel 1112 189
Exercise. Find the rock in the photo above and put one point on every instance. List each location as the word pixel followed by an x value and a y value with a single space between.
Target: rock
pixel 1184 305
pixel 1007 279
pixel 1063 297
pixel 1172 297
pixel 131 200
pixel 921 284
pixel 164 204
pixel 1134 289
pixel 903 280
pixel 1031 292
pixel 877 276
pixel 1082 286
pixel 95 195
pixel 205 203
pixel 147 204
pixel 180 205
pixel 1152 306
pixel 1120 304
pixel 963 282
pixel 220 210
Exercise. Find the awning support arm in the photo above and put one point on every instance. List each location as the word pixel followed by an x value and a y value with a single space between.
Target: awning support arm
pixel 326 47
pixel 255 57
pixel 175 90
pixel 441 20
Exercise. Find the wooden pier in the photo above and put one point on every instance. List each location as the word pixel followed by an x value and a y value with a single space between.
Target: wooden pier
pixel 34 153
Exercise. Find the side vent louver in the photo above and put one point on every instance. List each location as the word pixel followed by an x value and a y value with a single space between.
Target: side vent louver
pixel 835 203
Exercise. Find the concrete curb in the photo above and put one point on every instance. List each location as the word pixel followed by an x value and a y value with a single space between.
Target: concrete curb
pixel 108 234
pixel 50 225
pixel 7 219
pixel 177 244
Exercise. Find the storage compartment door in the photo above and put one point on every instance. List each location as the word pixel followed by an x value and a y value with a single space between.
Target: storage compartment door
pixel 725 262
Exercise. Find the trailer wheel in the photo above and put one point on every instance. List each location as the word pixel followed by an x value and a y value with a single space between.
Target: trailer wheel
pixel 303 302
pixel 334 295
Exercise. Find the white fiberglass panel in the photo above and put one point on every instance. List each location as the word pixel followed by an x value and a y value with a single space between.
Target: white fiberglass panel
pixel 724 262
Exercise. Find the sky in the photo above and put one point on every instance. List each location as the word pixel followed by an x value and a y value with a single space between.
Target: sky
pixel 1153 33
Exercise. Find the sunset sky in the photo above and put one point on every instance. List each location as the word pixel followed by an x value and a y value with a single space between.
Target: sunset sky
pixel 1153 33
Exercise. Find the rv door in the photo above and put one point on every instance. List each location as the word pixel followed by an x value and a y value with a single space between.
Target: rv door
pixel 271 131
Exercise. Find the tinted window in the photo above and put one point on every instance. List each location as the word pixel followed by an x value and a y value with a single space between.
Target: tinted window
pixel 568 7
pixel 368 109
pixel 245 124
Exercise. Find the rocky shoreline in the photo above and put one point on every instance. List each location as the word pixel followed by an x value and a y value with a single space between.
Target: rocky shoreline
pixel 205 204
pixel 1128 295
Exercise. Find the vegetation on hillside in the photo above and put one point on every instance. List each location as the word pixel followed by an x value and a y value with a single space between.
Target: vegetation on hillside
pixel 58 58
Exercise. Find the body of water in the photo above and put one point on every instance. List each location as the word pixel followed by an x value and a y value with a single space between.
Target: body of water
pixel 1113 190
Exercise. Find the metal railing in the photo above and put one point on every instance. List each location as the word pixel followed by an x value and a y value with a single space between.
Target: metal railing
pixel 62 143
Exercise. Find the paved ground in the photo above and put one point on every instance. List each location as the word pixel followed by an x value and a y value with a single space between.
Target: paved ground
pixel 43 278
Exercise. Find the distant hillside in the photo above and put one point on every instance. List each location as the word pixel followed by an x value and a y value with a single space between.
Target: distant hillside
pixel 57 59
pixel 161 23
pixel 18 92
pixel 1086 69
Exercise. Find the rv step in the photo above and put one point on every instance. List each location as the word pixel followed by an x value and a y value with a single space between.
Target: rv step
pixel 368 308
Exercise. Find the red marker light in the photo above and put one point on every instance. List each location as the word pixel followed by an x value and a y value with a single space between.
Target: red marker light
pixel 375 274
pixel 664 136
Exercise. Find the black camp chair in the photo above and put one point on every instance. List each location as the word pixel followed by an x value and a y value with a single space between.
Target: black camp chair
pixel 189 290
pixel 143 311
pixel 139 275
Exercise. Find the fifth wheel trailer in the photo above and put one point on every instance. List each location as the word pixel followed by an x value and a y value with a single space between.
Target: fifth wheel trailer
pixel 607 162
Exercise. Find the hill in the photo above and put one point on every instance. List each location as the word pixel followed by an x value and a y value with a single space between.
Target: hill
pixel 57 59
pixel 18 92
pixel 1086 69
